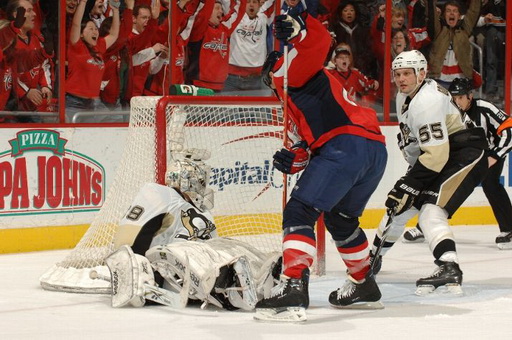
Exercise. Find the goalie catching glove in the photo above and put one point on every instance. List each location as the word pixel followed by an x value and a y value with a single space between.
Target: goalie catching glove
pixel 291 161
pixel 289 26
pixel 403 195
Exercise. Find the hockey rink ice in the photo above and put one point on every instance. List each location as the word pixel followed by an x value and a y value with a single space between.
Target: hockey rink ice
pixel 483 312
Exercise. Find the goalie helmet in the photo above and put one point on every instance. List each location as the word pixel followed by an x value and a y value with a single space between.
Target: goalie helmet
pixel 191 177
pixel 410 59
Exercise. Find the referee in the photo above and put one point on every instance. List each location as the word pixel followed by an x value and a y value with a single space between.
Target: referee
pixel 498 127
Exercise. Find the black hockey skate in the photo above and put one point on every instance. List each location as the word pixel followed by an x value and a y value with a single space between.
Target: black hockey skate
pixel 287 301
pixel 504 240
pixel 414 235
pixel 447 274
pixel 357 295
pixel 375 263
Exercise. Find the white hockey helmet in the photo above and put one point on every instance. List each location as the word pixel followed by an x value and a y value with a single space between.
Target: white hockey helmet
pixel 410 59
pixel 191 176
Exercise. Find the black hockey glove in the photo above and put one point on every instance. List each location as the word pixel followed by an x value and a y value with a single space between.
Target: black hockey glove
pixel 291 161
pixel 402 196
pixel 20 17
pixel 288 26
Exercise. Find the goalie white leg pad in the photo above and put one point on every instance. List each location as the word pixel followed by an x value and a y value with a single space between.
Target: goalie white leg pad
pixel 249 298
pixel 165 297
pixel 449 289
pixel 129 273
pixel 189 261
pixel 264 279
pixel 288 314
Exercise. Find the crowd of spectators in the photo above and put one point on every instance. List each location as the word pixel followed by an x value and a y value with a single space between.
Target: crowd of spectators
pixel 117 49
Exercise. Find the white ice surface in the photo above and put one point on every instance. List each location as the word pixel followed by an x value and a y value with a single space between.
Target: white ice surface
pixel 483 312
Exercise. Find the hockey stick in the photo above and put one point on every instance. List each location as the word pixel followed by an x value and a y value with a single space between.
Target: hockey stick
pixel 285 117
pixel 153 293
pixel 385 231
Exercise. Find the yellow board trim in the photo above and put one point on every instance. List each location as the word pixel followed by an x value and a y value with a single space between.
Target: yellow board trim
pixel 22 240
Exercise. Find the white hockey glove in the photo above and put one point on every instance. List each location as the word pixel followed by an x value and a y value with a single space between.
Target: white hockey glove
pixel 129 273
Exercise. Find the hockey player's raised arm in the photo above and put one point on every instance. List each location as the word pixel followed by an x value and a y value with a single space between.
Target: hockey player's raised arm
pixel 311 44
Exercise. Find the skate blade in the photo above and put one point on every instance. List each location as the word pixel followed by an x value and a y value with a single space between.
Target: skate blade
pixel 504 246
pixel 288 314
pixel 420 240
pixel 362 305
pixel 452 289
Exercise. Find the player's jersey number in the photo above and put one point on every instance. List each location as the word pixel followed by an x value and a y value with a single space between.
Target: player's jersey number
pixel 429 131
pixel 135 213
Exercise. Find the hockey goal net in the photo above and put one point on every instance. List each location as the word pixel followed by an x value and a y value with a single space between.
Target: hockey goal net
pixel 241 134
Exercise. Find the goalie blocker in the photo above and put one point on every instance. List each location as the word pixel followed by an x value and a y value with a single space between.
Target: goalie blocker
pixel 227 273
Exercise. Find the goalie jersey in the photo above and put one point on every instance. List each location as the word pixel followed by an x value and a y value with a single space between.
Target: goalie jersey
pixel 160 215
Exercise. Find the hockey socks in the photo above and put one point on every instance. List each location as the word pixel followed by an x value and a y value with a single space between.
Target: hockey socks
pixel 299 252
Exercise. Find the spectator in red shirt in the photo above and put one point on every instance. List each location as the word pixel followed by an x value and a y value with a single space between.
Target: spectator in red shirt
pixel 418 37
pixel 34 86
pixel 144 53
pixel 172 70
pixel 347 27
pixel 209 44
pixel 358 86
pixel 111 81
pixel 85 62
pixel 10 58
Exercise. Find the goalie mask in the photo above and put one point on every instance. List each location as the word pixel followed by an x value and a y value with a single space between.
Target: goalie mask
pixel 191 177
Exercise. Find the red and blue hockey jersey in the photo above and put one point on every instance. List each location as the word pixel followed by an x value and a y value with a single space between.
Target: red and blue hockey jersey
pixel 317 103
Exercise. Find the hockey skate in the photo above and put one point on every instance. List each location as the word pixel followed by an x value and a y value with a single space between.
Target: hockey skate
pixel 504 240
pixel 414 235
pixel 375 263
pixel 287 302
pixel 447 274
pixel 357 295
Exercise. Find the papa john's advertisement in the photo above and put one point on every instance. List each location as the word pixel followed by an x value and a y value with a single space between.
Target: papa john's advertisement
pixel 55 176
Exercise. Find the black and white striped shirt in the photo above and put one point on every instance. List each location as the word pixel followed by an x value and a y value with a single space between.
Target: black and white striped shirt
pixel 496 123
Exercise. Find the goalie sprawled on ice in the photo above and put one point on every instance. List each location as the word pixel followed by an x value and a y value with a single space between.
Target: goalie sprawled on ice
pixel 184 259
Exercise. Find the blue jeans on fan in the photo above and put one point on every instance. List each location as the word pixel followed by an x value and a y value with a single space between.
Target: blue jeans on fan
pixel 242 83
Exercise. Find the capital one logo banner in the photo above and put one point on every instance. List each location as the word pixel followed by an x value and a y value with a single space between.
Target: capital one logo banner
pixel 38 174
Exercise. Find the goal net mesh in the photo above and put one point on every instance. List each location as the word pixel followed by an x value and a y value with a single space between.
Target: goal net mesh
pixel 241 137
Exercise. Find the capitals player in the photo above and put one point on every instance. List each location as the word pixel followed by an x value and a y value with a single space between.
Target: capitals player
pixel 172 226
pixel 342 154
pixel 446 162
